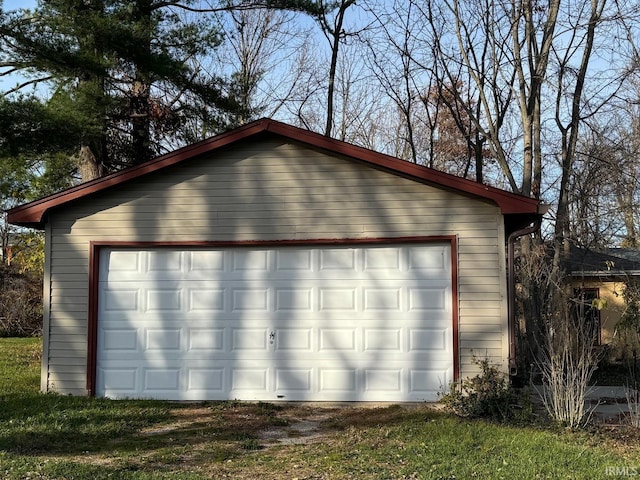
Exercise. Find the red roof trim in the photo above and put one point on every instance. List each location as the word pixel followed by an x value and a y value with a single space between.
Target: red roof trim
pixel 32 214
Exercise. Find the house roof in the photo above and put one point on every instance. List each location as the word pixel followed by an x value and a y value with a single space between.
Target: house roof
pixel 518 209
pixel 609 263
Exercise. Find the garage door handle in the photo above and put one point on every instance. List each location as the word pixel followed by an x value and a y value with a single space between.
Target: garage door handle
pixel 272 337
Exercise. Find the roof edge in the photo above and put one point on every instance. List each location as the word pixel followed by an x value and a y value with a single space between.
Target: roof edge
pixel 33 214
pixel 604 273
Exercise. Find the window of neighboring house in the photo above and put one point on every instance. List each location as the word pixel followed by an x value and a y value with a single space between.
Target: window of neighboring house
pixel 584 298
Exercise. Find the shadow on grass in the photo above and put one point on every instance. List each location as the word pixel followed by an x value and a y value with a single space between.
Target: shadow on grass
pixel 377 417
pixel 50 424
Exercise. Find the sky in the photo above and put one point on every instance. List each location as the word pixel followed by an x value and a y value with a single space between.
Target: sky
pixel 14 5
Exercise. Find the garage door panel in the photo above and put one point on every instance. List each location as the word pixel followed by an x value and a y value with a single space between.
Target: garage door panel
pixel 161 379
pixel 164 299
pixel 298 380
pixel 250 260
pixel 299 299
pixel 386 340
pixel 388 299
pixel 382 380
pixel 341 260
pixel 202 263
pixel 293 262
pixel 387 260
pixel 294 339
pixel 116 340
pixel 428 299
pixel 206 339
pixel 429 339
pixel 337 299
pixel 341 382
pixel 206 300
pixel 429 381
pixel 432 259
pixel 252 379
pixel 371 323
pixel 252 299
pixel 337 340
pixel 163 339
pixel 120 299
pixel 249 339
pixel 206 379
pixel 118 381
pixel 169 263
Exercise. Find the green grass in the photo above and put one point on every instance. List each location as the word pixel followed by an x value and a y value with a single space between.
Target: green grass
pixel 47 436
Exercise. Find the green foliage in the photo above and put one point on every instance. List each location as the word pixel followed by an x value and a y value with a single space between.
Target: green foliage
pixel 30 126
pixel 27 255
pixel 123 75
pixel 487 395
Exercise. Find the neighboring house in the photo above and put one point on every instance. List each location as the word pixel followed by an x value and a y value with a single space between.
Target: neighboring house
pixel 603 275
pixel 272 263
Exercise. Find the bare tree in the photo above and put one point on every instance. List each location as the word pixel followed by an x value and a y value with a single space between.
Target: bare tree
pixel 604 187
pixel 332 25
pixel 471 41
pixel 391 48
pixel 260 59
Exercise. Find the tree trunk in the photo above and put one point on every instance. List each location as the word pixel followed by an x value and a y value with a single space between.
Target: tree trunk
pixel 140 90
pixel 88 165
pixel 334 34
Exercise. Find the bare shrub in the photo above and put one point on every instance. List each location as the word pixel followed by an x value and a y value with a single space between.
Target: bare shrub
pixel 633 405
pixel 20 304
pixel 567 355
pixel 560 336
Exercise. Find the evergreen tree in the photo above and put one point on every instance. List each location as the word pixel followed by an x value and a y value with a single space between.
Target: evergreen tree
pixel 124 69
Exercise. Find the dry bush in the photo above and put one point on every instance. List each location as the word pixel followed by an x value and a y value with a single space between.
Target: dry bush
pixel 633 405
pixel 20 304
pixel 566 359
pixel 558 336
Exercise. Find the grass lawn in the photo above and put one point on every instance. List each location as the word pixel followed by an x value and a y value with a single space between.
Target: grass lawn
pixel 57 437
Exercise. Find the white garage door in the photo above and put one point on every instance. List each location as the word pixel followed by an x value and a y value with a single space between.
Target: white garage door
pixel 364 323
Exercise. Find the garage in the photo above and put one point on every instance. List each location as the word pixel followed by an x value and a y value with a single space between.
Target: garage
pixel 273 263
pixel 325 323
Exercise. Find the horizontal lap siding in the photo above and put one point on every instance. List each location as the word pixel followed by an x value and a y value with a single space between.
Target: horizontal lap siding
pixel 273 191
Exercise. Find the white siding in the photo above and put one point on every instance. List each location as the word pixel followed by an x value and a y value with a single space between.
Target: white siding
pixel 273 191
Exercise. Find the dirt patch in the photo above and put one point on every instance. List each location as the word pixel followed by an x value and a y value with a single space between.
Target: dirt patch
pixel 272 424
pixel 303 425
pixel 182 417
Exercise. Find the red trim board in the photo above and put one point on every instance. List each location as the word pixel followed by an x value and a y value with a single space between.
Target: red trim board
pixel 94 267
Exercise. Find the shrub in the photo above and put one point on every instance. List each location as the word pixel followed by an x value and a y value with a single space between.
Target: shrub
pixel 488 394
pixel 567 359
pixel 20 304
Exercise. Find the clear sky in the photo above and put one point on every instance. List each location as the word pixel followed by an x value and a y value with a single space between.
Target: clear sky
pixel 15 4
